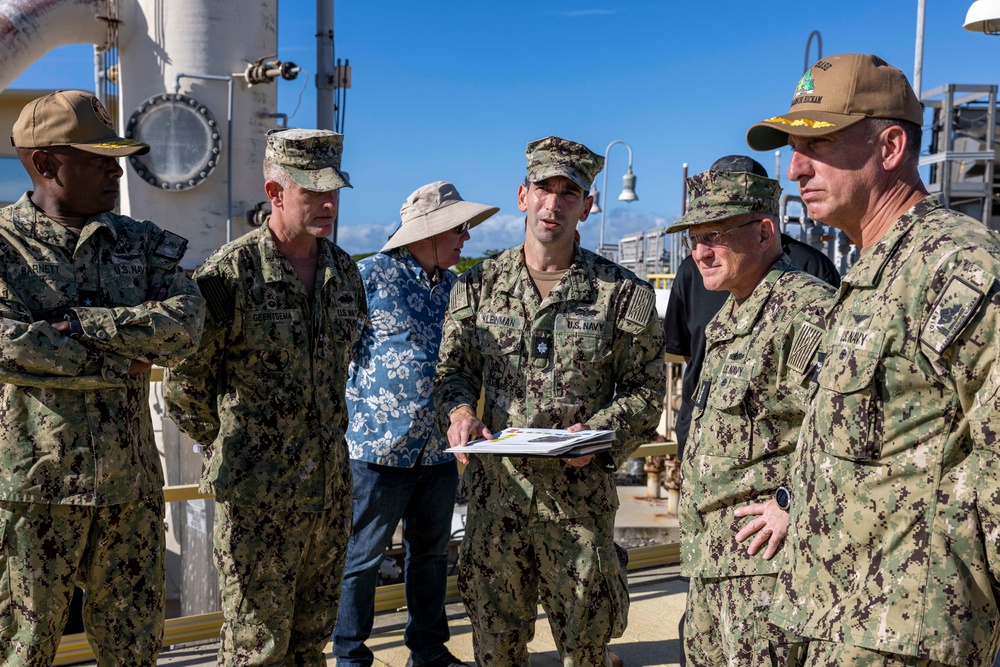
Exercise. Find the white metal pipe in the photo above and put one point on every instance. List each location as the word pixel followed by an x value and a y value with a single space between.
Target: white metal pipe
pixel 229 140
pixel 918 50
pixel 29 29
pixel 324 65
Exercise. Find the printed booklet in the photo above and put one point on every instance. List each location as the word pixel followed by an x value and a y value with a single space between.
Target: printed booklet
pixel 540 442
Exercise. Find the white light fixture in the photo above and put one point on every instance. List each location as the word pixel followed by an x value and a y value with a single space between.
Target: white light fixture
pixel 596 206
pixel 983 16
pixel 628 185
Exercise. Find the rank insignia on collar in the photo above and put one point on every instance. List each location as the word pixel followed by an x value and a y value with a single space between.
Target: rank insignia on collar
pixel 541 346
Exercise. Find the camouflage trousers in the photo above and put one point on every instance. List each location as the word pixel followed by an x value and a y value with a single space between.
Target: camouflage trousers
pixel 279 574
pixel 833 654
pixel 115 554
pixel 726 624
pixel 507 564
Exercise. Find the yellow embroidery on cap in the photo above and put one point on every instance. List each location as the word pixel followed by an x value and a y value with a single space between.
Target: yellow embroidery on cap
pixel 116 143
pixel 802 121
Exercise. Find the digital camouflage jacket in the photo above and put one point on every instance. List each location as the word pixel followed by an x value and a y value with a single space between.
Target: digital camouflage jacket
pixel 749 405
pixel 74 426
pixel 590 352
pixel 265 392
pixel 886 548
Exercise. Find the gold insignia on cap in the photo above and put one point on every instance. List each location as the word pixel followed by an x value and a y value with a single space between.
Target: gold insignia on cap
pixel 801 122
pixel 116 143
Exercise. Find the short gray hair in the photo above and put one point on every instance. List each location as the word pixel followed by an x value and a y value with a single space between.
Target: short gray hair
pixel 914 134
pixel 273 172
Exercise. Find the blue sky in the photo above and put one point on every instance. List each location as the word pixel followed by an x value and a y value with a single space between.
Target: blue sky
pixel 454 90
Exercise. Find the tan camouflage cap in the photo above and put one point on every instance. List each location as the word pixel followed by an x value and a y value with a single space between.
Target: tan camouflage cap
pixel 715 196
pixel 837 92
pixel 553 156
pixel 432 209
pixel 71 118
pixel 311 158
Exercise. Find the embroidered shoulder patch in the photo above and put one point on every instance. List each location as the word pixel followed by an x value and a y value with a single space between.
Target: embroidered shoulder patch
pixel 804 347
pixel 459 298
pixel 956 305
pixel 642 304
pixel 170 245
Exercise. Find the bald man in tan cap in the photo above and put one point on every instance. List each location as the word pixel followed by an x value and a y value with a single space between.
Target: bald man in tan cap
pixel 89 300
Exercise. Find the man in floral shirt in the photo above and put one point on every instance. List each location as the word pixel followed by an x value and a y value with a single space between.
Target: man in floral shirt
pixel 400 470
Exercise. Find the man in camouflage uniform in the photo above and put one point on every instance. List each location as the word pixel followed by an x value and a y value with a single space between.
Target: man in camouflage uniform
pixel 264 395
pixel 557 337
pixel 748 408
pixel 887 558
pixel 89 300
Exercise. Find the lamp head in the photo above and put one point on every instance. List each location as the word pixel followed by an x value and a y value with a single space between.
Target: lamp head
pixel 628 187
pixel 596 206
pixel 983 16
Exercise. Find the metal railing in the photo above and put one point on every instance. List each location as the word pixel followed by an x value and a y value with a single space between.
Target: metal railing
pixel 200 627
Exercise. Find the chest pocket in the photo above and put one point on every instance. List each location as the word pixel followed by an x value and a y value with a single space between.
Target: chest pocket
pixel 848 397
pixel 273 329
pixel 47 289
pixel 126 289
pixel 724 427
pixel 583 347
pixel 499 335
pixel 343 328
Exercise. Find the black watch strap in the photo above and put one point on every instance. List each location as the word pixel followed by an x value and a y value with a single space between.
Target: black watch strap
pixel 75 328
pixel 783 497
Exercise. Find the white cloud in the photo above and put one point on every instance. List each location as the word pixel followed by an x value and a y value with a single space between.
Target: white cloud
pixel 358 239
pixel 499 232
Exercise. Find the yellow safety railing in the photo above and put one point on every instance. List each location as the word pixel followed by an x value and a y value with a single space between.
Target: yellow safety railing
pixel 660 280
pixel 200 627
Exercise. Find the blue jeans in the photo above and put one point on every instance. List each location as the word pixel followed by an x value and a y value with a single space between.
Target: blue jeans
pixel 424 498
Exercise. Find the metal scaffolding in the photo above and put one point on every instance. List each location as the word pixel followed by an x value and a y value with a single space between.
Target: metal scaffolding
pixel 963 152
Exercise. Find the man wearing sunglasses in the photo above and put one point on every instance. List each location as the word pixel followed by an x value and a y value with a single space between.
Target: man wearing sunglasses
pixel 555 337
pixel 748 408
pixel 400 470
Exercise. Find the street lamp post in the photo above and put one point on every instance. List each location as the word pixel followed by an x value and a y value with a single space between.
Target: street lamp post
pixel 628 187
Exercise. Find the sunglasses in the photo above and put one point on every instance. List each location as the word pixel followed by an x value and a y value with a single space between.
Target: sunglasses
pixel 461 229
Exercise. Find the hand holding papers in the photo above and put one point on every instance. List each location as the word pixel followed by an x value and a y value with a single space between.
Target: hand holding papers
pixel 540 442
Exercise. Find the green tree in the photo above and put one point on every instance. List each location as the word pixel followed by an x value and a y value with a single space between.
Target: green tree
pixel 467 263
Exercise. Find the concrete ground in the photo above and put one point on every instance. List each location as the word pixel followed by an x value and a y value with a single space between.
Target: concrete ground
pixel 651 639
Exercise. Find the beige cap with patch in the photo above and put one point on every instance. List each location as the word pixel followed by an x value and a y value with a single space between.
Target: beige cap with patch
pixel 71 118
pixel 837 92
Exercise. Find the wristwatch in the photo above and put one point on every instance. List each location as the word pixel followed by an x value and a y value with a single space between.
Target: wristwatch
pixel 75 328
pixel 783 497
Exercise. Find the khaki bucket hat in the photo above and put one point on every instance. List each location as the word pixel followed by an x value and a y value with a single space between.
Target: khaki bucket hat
pixel 432 209
pixel 71 118
pixel 835 93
